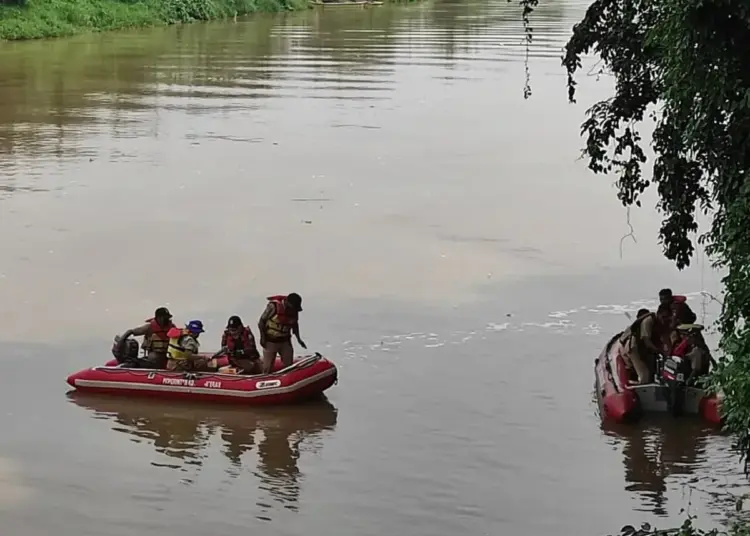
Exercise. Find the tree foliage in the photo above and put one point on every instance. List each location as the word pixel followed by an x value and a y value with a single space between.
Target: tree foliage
pixel 686 65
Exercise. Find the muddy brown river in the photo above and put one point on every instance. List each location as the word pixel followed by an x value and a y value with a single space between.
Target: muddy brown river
pixel 456 261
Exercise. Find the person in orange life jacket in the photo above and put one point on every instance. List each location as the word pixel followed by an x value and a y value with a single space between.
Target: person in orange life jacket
pixel 238 343
pixel 277 324
pixel 183 348
pixel 155 338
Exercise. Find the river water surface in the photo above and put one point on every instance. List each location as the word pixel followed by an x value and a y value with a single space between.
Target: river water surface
pixel 456 261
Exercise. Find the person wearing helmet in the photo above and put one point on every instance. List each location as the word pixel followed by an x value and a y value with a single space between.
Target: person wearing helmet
pixel 155 340
pixel 238 343
pixel 277 324
pixel 184 346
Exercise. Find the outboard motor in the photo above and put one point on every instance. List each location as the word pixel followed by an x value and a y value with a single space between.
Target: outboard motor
pixel 675 372
pixel 128 352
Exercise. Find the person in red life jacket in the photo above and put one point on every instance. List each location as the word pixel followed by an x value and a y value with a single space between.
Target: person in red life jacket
pixel 238 343
pixel 277 324
pixel 681 311
pixel 155 338
pixel 693 348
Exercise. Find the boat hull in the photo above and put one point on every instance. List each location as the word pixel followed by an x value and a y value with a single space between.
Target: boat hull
pixel 308 377
pixel 621 402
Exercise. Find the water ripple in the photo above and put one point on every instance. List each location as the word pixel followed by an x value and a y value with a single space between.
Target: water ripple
pixel 576 322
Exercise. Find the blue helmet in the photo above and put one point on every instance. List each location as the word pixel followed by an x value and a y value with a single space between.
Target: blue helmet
pixel 194 326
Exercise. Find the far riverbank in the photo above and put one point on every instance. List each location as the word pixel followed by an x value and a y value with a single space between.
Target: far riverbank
pixel 38 19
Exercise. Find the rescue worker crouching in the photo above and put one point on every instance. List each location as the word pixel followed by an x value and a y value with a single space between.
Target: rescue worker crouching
pixel 155 339
pixel 277 324
pixel 640 345
pixel 692 347
pixel 183 348
pixel 238 343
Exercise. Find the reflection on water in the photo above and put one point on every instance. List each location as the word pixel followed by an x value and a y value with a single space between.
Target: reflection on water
pixel 661 449
pixel 52 96
pixel 237 120
pixel 183 432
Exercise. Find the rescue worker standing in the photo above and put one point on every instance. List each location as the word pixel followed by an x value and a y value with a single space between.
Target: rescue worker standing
pixel 238 343
pixel 183 348
pixel 639 345
pixel 277 324
pixel 155 338
pixel 681 311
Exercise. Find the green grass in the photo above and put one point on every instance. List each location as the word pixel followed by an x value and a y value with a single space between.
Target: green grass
pixel 36 19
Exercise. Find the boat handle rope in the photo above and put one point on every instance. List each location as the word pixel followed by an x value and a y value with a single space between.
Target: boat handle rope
pixel 608 368
pixel 304 363
pixel 185 375
pixel 228 377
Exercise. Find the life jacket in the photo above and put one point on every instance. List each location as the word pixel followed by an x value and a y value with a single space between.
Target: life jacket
pixel 279 326
pixel 635 328
pixel 634 331
pixel 159 338
pixel 681 348
pixel 176 350
pixel 242 343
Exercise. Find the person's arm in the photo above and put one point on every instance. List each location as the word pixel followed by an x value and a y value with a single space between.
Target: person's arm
pixel 190 345
pixel 647 330
pixel 295 331
pixel 145 329
pixel 267 313
pixel 223 340
pixel 253 350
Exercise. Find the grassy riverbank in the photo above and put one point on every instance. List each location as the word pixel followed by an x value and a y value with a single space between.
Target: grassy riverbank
pixel 34 19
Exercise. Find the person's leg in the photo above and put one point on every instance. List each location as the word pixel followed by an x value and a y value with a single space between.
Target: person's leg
pixel 641 368
pixel 175 365
pixel 154 361
pixel 269 356
pixel 624 351
pixel 248 366
pixel 200 364
pixel 695 358
pixel 287 353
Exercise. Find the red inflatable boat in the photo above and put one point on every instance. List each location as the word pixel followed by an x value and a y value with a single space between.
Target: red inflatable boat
pixel 305 378
pixel 619 401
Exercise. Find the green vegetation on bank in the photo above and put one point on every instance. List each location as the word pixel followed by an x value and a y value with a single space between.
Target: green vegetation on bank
pixel 35 19
pixel 685 65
